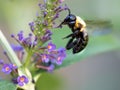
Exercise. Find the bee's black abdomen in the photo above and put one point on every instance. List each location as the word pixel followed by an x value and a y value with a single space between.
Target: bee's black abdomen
pixel 80 46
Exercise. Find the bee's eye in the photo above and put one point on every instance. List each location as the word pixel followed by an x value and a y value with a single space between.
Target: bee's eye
pixel 72 17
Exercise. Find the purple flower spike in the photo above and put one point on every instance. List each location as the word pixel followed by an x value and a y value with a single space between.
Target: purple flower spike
pixel 6 69
pixel 50 68
pixel 51 47
pixel 45 58
pixel 22 80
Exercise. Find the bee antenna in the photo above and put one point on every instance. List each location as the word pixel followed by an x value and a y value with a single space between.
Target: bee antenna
pixel 69 11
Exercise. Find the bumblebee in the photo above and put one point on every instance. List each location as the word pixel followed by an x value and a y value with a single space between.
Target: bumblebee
pixel 79 36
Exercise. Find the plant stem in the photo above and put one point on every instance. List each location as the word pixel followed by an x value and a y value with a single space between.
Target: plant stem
pixel 28 59
pixel 6 46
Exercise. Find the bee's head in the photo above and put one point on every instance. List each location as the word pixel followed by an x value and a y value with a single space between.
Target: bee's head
pixel 69 19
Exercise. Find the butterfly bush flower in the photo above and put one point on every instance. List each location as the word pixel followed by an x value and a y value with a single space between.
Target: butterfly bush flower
pixel 51 47
pixel 13 66
pixel 21 80
pixel 6 69
pixel 41 53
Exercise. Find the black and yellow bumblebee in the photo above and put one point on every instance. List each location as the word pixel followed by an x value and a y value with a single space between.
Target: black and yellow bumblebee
pixel 79 35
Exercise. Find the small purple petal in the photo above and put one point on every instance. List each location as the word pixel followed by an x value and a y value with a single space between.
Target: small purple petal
pixel 27 41
pixel 20 84
pixel 45 58
pixel 47 36
pixel 59 60
pixel 17 47
pixel 26 79
pixel 1 62
pixel 22 80
pixel 62 52
pixel 58 8
pixel 50 68
pixel 20 35
pixel 56 16
pixel 13 66
pixel 32 25
pixel 48 32
pixel 30 34
pixel 34 43
pixel 51 46
pixel 6 69
pixel 45 13
pixel 12 35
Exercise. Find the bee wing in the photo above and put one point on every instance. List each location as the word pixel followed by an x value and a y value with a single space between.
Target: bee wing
pixel 98 27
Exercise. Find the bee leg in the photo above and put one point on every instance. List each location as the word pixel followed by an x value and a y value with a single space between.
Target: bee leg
pixel 70 44
pixel 78 47
pixel 73 35
pixel 60 26
pixel 70 35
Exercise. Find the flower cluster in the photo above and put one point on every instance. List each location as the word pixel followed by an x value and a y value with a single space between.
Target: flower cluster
pixel 43 57
pixel 26 42
pixel 41 53
pixel 21 80
pixel 50 57
pixel 12 69
pixel 7 68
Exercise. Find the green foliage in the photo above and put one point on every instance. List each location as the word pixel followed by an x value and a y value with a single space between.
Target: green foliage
pixel 48 81
pixel 6 85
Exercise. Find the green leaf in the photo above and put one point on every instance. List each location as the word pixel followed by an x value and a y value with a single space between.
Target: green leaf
pixel 49 81
pixel 96 45
pixel 7 85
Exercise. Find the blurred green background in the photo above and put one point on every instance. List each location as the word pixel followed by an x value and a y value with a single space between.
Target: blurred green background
pixel 98 72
